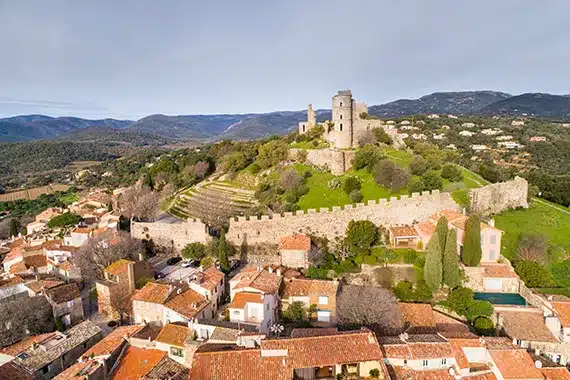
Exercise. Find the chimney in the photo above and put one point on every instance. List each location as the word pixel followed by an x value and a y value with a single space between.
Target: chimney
pixel 492 223
pixel 201 268
pixel 278 272
pixel 270 269
pixel 259 268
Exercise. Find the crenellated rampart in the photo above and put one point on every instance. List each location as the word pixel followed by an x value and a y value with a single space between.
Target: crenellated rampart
pixel 175 235
pixel 332 223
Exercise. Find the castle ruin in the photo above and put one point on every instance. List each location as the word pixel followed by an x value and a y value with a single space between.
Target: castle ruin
pixel 498 197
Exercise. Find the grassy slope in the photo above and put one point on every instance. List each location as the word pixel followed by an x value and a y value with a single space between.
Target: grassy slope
pixel 539 218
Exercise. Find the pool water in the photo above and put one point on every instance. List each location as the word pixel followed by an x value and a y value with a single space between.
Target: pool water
pixel 501 298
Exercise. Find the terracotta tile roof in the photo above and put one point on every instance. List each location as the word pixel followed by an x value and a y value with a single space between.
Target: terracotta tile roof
pixel 499 271
pixel 242 364
pixel 558 373
pixel 526 325
pixel 417 315
pixel 79 371
pixel 66 265
pixel 14 253
pixel 406 373
pixel 174 335
pixel 451 328
pixel 241 298
pixel 403 231
pixel 80 230
pixel 515 364
pixel 137 362
pixel 35 261
pixel 320 351
pixel 153 292
pixel 297 242
pixel 13 371
pixel 563 310
pixel 307 332
pixel 57 245
pixel 309 287
pixel 421 350
pixel 38 286
pixel 119 267
pixel 262 280
pixel 457 347
pixel 15 280
pixel 63 293
pixel 188 303
pixel 167 369
pixel 113 341
pixel 426 228
pixel 19 267
pixel 210 278
pixel 24 344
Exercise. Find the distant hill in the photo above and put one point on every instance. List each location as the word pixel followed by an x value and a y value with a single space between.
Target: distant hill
pixel 250 126
pixel 532 104
pixel 457 103
pixel 36 127
pixel 111 135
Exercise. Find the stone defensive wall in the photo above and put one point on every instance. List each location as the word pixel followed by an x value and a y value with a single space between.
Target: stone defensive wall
pixel 332 223
pixel 498 197
pixel 337 161
pixel 175 235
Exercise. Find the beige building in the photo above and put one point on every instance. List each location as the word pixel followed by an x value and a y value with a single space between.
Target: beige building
pixel 320 293
pixel 66 302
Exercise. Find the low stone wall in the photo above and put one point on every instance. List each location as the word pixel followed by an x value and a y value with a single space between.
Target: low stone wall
pixel 171 235
pixel 332 224
pixel 337 161
pixel 498 197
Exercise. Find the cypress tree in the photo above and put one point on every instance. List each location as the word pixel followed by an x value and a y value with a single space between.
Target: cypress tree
pixel 441 230
pixel 225 250
pixel 451 276
pixel 14 227
pixel 433 267
pixel 472 242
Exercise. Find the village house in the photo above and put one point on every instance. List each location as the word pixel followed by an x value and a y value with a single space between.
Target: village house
pixel 491 131
pixel 504 138
pixel 34 227
pixel 452 117
pixel 48 214
pixel 44 359
pixel 119 283
pixel 12 288
pixel 440 136
pixel 39 285
pixel 77 237
pixel 493 277
pixel 173 339
pixel 66 302
pixel 517 123
pixel 468 125
pixel 445 126
pixel 159 304
pixel 64 269
pixel 419 136
pixel 320 293
pixel 479 147
pixel 210 283
pixel 353 353
pixel 537 138
pixel 466 133
pixel 295 251
pixel 433 116
pixel 509 144
pixel 254 297
pixel 225 332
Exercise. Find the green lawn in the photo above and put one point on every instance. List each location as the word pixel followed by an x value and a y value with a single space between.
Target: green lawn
pixel 69 199
pixel 539 218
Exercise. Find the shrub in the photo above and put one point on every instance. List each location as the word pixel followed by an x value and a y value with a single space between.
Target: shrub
pixel 533 274
pixel 254 168
pixel 195 251
pixel 532 247
pixel 302 156
pixel 290 197
pixel 432 180
pixel 360 234
pixel 351 184
pixel 418 166
pixel 355 196
pixel 367 157
pixel 477 308
pixel 404 291
pixel 317 273
pixel 65 220
pixel 410 256
pixel 472 242
pixel 451 173
pixel 459 300
pixel 382 136
pixel 334 183
pixel 422 293
pixel 375 372
pixel 484 326
pixel 561 273
pixel 416 185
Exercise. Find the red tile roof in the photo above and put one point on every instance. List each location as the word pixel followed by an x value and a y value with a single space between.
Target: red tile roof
pixel 515 364
pixel 189 303
pixel 35 261
pixel 19 267
pixel 153 292
pixel 113 341
pixel 210 278
pixel 241 298
pixel 174 335
pixel 11 281
pixel 559 373
pixel 421 350
pixel 451 328
pixel 262 280
pixel 308 287
pixel 526 325
pixel 297 242
pixel 499 271
pixel 24 344
pixel 79 371
pixel 457 346
pixel 563 310
pixel 38 286
pixel 137 362
pixel 63 293
pixel 426 228
pixel 418 315
pixel 403 231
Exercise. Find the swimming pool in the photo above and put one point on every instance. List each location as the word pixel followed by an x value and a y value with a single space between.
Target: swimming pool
pixel 501 298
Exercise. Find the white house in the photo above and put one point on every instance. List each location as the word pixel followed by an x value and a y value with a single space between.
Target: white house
pixel 509 144
pixel 468 125
pixel 433 116
pixel 479 147
pixel 441 136
pixel 466 133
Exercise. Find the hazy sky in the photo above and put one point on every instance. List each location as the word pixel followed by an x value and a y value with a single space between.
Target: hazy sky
pixel 131 58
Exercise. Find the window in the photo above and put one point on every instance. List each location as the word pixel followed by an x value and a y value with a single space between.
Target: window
pixel 70 303
pixel 425 363
pixel 341 127
pixel 492 255
pixel 405 361
pixel 323 300
pixel 303 128
pixel 443 361
pixel 46 369
pixel 493 239
pixel 340 116
pixel 176 352
pixel 323 316
pixel 267 307
pixel 341 104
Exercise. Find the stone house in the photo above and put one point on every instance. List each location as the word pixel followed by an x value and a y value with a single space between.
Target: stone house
pixel 295 251
pixel 320 293
pixel 494 278
pixel 119 284
pixel 66 302
pixel 12 288
pixel 39 286
pixel 175 340
pixel 46 358
pixel 77 237
pixel 64 269
pixel 159 304
pixel 254 297
pixel 48 214
pixel 210 283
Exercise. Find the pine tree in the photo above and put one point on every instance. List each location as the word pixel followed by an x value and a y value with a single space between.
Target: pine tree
pixel 451 276
pixel 433 267
pixel 441 230
pixel 14 227
pixel 472 242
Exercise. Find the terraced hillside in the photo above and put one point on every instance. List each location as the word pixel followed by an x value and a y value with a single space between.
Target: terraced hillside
pixel 219 197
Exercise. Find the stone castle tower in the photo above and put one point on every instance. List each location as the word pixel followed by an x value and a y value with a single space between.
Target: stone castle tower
pixel 342 117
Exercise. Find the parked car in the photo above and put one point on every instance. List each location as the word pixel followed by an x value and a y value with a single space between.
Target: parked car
pixel 173 260
pixel 159 275
pixel 234 264
pixel 190 263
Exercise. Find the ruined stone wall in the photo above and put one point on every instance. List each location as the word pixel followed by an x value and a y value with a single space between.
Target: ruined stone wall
pixel 337 161
pixel 176 235
pixel 498 197
pixel 333 223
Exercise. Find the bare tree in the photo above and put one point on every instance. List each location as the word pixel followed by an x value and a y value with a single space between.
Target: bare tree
pixel 25 316
pixel 369 306
pixel 100 252
pixel 532 247
pixel 290 179
pixel 214 209
pixel 201 168
pixel 367 137
pixel 140 202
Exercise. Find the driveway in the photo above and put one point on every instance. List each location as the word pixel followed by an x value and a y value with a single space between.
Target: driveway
pixel 177 272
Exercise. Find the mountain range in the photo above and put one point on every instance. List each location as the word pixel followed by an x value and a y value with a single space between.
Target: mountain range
pixel 248 126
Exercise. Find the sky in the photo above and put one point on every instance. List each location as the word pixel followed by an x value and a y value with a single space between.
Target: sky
pixel 131 58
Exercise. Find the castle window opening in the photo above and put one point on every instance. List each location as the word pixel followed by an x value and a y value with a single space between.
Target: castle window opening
pixel 303 128
pixel 341 104
pixel 341 127
pixel 340 116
